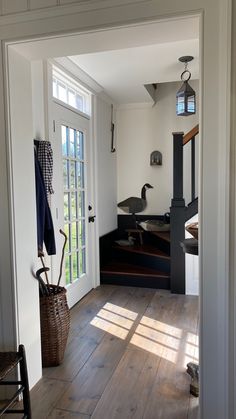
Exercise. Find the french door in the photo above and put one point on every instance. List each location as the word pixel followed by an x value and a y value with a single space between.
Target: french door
pixel 73 202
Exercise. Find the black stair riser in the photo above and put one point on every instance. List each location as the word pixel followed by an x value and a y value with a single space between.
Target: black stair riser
pixel 105 246
pixel 153 262
pixel 160 243
pixel 137 281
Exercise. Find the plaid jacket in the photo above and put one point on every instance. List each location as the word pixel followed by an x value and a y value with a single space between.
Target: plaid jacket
pixel 45 158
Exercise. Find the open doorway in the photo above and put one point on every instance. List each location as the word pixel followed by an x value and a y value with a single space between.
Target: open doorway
pixel 29 58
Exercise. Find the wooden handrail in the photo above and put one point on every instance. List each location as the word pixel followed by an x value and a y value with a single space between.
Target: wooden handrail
pixel 192 133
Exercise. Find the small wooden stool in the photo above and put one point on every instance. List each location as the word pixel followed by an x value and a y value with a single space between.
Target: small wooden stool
pixel 9 361
pixel 132 231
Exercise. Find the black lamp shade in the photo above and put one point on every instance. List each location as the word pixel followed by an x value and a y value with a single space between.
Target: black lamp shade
pixel 185 100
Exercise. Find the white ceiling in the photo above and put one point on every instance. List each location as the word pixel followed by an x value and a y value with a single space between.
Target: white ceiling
pixel 123 59
pixel 123 73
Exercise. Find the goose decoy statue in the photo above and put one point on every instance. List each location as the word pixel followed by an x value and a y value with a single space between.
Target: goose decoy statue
pixel 133 204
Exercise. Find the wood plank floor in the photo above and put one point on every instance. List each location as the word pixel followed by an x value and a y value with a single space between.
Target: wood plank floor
pixel 125 358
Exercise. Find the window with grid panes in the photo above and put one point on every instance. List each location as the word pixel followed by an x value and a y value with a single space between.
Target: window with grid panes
pixel 74 202
pixel 67 90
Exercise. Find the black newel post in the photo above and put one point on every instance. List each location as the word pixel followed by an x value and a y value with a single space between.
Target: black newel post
pixel 193 194
pixel 177 219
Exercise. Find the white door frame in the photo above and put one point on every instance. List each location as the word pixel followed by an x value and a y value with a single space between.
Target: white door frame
pixel 215 301
pixel 63 115
pixel 92 157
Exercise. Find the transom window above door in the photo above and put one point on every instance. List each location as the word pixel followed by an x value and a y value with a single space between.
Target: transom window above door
pixel 69 91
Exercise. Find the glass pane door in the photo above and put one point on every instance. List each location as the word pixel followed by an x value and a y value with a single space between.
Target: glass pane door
pixel 74 202
pixel 73 185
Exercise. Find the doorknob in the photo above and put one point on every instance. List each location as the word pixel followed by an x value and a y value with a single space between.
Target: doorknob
pixel 91 218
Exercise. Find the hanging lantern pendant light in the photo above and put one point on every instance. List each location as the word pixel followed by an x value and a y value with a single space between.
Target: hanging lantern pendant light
pixel 185 97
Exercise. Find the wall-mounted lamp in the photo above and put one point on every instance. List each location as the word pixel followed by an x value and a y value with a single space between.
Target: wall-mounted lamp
pixel 185 97
pixel 156 158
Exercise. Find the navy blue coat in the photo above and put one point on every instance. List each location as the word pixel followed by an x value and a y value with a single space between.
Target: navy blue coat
pixel 45 230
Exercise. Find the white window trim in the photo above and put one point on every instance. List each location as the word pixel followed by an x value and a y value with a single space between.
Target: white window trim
pixel 71 108
pixel 71 82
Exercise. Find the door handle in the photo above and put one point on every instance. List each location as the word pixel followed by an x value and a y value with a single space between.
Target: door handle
pixel 91 218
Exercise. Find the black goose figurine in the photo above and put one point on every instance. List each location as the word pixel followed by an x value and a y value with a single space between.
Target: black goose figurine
pixel 133 204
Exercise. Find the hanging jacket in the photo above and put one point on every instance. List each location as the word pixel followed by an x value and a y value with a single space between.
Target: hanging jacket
pixel 45 230
pixel 45 158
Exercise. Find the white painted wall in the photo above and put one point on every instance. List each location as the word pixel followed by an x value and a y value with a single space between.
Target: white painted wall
pixel 191 266
pixel 41 131
pixel 39 90
pixel 142 129
pixel 105 168
pixel 25 236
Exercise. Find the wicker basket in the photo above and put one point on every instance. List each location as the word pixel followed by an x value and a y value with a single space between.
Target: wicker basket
pixel 55 324
pixel 193 229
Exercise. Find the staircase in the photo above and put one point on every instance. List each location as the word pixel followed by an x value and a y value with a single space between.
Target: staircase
pixel 146 265
pixel 160 261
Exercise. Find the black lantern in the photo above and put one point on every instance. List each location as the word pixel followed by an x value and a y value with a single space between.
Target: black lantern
pixel 185 97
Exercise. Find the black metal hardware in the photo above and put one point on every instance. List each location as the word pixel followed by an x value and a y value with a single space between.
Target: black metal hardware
pixel 91 218
pixel 112 131
pixel 185 97
pixel 90 207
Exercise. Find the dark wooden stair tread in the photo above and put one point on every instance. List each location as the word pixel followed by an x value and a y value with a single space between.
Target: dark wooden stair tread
pixel 120 268
pixel 165 235
pixel 145 249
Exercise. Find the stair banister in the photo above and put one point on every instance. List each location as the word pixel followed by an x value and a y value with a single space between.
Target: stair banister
pixel 191 134
pixel 178 211
pixel 193 169
pixel 178 166
pixel 177 218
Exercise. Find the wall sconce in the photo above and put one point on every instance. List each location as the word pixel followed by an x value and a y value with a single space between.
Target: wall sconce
pixel 156 158
pixel 185 97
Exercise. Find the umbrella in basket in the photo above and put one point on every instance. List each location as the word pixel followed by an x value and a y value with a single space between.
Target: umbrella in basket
pixel 54 316
pixel 47 289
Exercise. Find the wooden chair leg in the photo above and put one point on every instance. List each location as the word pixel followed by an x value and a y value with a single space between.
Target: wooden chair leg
pixel 25 383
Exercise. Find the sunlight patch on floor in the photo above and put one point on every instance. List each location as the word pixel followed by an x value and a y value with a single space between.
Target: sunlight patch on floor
pixel 162 327
pixel 191 349
pixel 132 315
pixel 193 339
pixel 111 328
pixel 152 335
pixel 115 318
pixel 154 347
pixel 159 337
